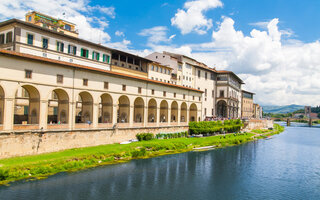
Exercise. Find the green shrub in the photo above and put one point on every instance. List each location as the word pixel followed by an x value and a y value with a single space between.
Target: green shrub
pixel 144 136
pixel 212 127
pixel 4 174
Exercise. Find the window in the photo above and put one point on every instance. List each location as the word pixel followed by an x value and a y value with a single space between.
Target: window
pixel 168 72
pixel 205 111
pixel 67 27
pixel 221 93
pixel 59 78
pixel 106 58
pixel 124 87
pixel 205 92
pixel 60 46
pixel 192 97
pixel 85 82
pixel 184 96
pixel 45 43
pixel 123 58
pixel 199 98
pixel 180 67
pixel 29 18
pixel 164 71
pixel 156 68
pixel 137 62
pixel 174 95
pixel 212 112
pixel 152 78
pixel 72 49
pixel 139 90
pixel 212 76
pixel 106 85
pixel 152 91
pixel 152 67
pixel 2 39
pixel 212 93
pixel 206 75
pixel 9 37
pixel 164 93
pixel 199 73
pixel 28 73
pixel 30 39
pixel 95 56
pixel 84 53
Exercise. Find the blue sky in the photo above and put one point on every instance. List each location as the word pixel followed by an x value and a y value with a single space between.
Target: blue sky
pixel 273 45
pixel 132 16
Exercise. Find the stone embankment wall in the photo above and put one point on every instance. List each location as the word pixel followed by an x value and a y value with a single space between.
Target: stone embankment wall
pixel 30 143
pixel 257 124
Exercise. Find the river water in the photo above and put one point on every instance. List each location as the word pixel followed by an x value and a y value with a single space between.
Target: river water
pixel 284 167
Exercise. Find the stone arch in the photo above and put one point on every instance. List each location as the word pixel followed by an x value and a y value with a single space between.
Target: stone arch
pixel 164 111
pixel 27 105
pixel 193 112
pixel 174 111
pixel 183 112
pixel 58 107
pixel 152 111
pixel 123 109
pixel 84 108
pixel 222 109
pixel 1 105
pixel 106 108
pixel 138 110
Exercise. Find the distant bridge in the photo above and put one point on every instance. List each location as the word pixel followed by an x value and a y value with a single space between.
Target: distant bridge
pixel 289 120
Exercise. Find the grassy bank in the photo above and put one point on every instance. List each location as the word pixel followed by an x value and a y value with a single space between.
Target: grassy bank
pixel 43 165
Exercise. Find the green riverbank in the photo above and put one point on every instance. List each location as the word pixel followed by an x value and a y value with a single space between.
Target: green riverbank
pixel 43 165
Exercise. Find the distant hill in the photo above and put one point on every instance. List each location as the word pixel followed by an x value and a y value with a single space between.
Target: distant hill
pixel 281 109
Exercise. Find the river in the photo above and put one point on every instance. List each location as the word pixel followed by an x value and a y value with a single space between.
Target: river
pixel 284 167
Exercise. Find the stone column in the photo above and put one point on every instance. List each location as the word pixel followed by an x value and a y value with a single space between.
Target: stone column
pixel 95 115
pixel 43 115
pixel 158 116
pixel 131 115
pixel 169 114
pixel 145 116
pixel 72 115
pixel 179 115
pixel 8 114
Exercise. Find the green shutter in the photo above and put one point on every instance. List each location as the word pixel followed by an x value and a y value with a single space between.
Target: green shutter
pixel 69 48
pixel 62 47
pixel 87 55
pixel 104 58
pixel 108 59
pixel 92 55
pixel 98 56
pixel 81 52
pixel 57 46
pixel 75 50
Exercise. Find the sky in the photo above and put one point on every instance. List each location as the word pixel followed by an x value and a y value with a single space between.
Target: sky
pixel 273 45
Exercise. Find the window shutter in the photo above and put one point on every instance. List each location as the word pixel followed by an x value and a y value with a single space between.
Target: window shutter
pixel 74 50
pixel 104 58
pixel 87 55
pixel 69 48
pixel 108 59
pixel 92 55
pixel 62 47
pixel 57 46
pixel 81 52
pixel 98 56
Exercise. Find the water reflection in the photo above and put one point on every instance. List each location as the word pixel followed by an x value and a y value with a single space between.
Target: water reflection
pixel 286 167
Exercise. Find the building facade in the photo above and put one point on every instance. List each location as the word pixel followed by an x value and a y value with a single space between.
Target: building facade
pixel 178 88
pixel 48 94
pixel 247 110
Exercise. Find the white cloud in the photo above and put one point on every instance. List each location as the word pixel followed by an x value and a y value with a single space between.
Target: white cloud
pixel 123 45
pixel 279 73
pixel 156 35
pixel 119 33
pixel 192 18
pixel 76 11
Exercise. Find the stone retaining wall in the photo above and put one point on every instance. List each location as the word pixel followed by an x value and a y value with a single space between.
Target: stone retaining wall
pixel 257 124
pixel 37 142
